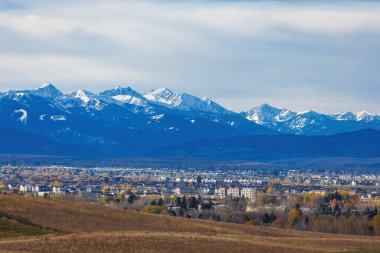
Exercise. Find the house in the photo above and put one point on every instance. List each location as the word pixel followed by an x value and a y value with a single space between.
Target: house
pixel 25 188
pixel 43 191
pixel 176 191
pixel 35 188
pixel 57 190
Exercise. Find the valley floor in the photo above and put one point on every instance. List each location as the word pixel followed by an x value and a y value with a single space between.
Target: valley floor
pixel 78 227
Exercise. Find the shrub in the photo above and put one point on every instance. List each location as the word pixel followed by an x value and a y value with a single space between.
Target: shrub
pixel 152 209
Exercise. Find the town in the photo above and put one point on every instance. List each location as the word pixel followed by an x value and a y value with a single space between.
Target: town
pixel 258 197
pixel 209 184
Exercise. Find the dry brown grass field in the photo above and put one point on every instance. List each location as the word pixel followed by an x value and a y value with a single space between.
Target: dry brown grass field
pixel 78 227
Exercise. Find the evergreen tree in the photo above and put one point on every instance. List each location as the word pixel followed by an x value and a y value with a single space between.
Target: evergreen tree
pixel 184 202
pixel 181 213
pixel 272 217
pixel 131 198
pixel 178 201
pixel 266 218
pixel 193 202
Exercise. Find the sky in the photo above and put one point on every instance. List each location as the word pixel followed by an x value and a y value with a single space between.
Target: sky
pixel 301 55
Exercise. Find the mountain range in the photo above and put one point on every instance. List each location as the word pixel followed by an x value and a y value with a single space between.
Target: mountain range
pixel 310 122
pixel 358 144
pixel 123 122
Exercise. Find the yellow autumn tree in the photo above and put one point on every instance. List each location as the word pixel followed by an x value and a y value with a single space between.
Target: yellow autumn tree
pixel 56 183
pixel 376 224
pixel 294 216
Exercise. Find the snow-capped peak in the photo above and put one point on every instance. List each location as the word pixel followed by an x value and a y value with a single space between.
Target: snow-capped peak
pixel 126 96
pixel 47 90
pixel 121 91
pixel 85 99
pixel 83 95
pixel 344 116
pixel 184 101
pixel 364 115
pixel 164 95
pixel 360 116
pixel 47 84
pixel 308 112
pixel 266 114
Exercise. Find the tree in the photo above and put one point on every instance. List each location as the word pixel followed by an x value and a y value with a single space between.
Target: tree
pixel 184 202
pixel 178 201
pixel 207 206
pixel 131 198
pixel 193 202
pixel 153 203
pixel 266 218
pixel 294 216
pixel 272 217
pixel 376 224
pixel 160 202
pixel 199 179
pixel 56 183
pixel 199 199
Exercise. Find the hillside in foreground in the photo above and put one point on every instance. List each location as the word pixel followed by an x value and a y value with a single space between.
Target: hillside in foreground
pixel 76 227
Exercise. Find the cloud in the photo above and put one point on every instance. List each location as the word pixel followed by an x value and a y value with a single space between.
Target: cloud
pixel 229 50
pixel 62 70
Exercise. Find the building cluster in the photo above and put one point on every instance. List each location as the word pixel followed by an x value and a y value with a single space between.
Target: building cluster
pixel 214 184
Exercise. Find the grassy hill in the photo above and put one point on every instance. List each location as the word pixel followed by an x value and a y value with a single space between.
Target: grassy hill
pixel 76 227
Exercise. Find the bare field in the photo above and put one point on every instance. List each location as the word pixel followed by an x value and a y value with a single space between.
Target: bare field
pixel 102 229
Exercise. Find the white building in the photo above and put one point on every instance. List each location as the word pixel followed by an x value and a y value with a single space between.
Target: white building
pixel 221 192
pixel 35 188
pixel 248 192
pixel 43 191
pixel 57 190
pixel 234 192
pixel 176 191
pixel 25 188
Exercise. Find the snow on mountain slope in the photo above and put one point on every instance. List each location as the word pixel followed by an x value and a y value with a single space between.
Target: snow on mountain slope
pixel 267 115
pixel 20 97
pixel 360 116
pixel 305 119
pixel 366 116
pixel 85 99
pixel 87 118
pixel 164 96
pixel 344 116
pixel 24 115
pixel 47 90
pixel 310 122
pixel 126 96
pixel 121 91
pixel 184 101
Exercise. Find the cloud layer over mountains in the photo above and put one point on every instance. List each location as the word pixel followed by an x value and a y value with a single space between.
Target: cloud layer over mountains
pixel 321 55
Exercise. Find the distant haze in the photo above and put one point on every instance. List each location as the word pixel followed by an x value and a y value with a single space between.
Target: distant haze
pixel 322 55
